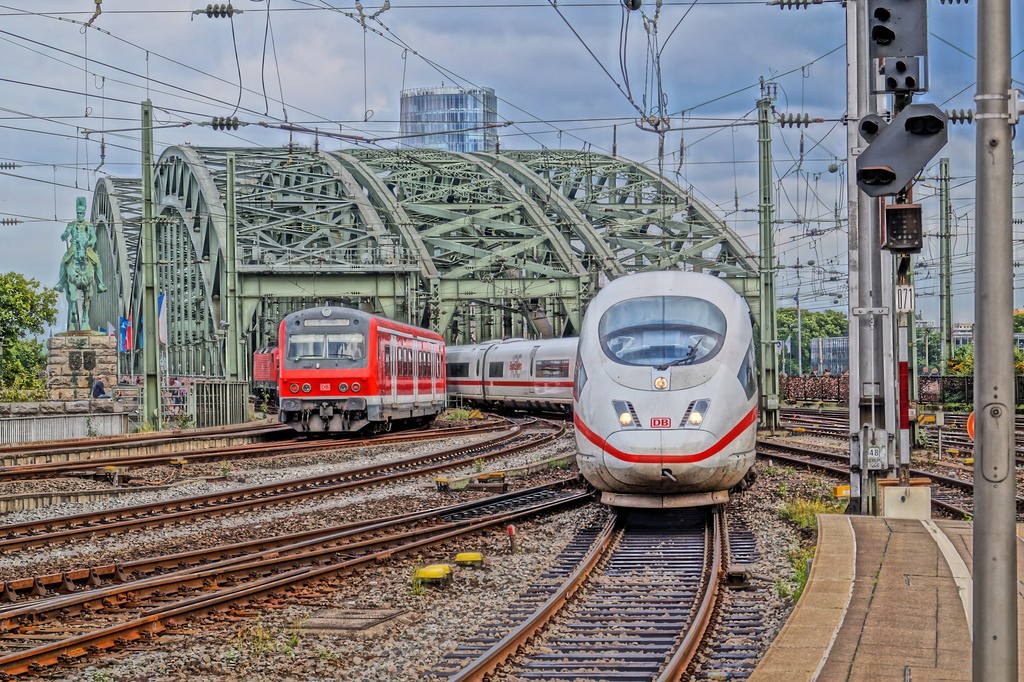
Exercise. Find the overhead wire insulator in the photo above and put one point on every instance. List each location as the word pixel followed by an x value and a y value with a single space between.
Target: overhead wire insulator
pixel 8 165
pixel 9 221
pixel 225 123
pixel 965 116
pixel 797 120
pixel 953 2
pixel 217 11
pixel 795 4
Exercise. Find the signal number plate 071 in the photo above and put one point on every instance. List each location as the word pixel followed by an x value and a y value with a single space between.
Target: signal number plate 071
pixel 661 422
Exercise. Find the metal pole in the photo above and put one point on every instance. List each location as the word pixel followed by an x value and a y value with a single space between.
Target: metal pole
pixel 995 508
pixel 872 393
pixel 229 314
pixel 152 413
pixel 945 265
pixel 769 324
pixel 799 338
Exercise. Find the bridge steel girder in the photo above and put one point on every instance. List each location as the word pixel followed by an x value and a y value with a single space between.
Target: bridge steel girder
pixel 475 246
pixel 647 221
pixel 116 213
pixel 504 268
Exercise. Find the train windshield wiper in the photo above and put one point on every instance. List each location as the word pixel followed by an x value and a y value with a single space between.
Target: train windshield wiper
pixel 685 360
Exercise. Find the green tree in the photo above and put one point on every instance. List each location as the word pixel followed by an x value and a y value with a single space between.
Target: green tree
pixel 824 324
pixel 26 310
pixel 929 349
pixel 962 362
pixel 1018 323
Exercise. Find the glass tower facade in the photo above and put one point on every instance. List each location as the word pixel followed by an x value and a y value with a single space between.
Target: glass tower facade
pixel 449 118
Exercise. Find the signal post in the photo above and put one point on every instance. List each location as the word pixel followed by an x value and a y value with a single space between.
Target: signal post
pixel 890 42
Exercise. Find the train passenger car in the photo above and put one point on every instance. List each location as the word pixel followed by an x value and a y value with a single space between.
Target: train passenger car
pixel 344 370
pixel 514 374
pixel 265 367
pixel 665 396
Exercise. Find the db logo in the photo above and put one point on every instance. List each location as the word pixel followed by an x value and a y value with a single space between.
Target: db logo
pixel 661 422
pixel 325 387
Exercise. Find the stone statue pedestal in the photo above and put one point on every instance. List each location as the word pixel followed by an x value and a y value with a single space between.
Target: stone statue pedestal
pixel 76 359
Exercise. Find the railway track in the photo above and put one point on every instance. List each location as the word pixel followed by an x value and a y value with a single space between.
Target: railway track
pixel 61 629
pixel 21 536
pixel 642 593
pixel 54 448
pixel 949 494
pixel 950 438
pixel 70 461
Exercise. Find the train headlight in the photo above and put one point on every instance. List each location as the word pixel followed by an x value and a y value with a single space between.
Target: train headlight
pixel 626 415
pixel 306 388
pixel 660 383
pixel 342 387
pixel 294 388
pixel 695 414
pixel 356 387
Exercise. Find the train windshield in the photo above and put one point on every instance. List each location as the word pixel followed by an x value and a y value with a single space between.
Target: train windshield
pixel 346 348
pixel 662 331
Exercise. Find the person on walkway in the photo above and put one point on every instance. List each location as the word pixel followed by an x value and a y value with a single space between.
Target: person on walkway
pixel 99 389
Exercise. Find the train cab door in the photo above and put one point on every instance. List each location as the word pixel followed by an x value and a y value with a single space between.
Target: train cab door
pixel 388 364
pixel 435 374
pixel 418 370
pixel 482 366
pixel 531 379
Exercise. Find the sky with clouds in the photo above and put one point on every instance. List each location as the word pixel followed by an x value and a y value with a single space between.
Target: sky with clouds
pixel 568 74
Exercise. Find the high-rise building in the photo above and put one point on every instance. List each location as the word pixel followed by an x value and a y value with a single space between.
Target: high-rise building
pixel 450 118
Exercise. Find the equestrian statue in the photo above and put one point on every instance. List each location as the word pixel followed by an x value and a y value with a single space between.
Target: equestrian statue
pixel 80 268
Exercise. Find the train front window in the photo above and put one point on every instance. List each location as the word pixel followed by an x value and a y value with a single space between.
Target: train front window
pixel 305 347
pixel 662 331
pixel 331 349
pixel 346 346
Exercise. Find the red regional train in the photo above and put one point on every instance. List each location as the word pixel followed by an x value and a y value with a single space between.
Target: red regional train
pixel 266 362
pixel 344 370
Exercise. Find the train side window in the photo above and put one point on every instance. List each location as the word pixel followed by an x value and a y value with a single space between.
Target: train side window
pixel 580 379
pixel 748 373
pixel 387 360
pixel 458 369
pixel 552 368
pixel 495 369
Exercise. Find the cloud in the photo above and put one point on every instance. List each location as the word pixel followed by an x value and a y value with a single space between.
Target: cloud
pixel 337 76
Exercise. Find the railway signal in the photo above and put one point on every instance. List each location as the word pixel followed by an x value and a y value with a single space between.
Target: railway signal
pixel 900 150
pixel 898 28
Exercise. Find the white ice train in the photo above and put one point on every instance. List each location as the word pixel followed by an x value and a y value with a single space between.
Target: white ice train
pixel 514 374
pixel 665 397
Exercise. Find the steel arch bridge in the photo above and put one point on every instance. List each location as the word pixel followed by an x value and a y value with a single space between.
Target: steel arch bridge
pixel 476 246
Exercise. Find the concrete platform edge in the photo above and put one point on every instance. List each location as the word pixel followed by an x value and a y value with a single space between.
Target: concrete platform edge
pixel 803 645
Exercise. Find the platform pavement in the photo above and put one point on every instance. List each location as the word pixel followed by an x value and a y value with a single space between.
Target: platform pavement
pixel 886 599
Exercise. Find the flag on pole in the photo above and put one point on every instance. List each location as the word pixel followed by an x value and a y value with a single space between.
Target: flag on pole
pixel 125 327
pixel 161 328
pixel 111 330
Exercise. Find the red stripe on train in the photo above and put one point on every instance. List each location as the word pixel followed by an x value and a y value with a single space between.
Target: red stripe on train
pixel 503 384
pixel 740 427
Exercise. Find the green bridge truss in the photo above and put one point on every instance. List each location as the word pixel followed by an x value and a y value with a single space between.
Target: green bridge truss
pixel 476 246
